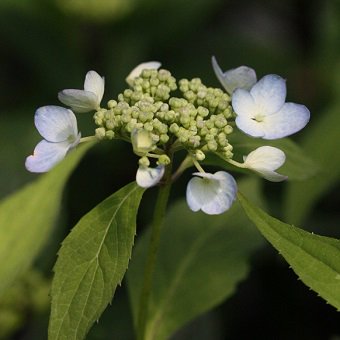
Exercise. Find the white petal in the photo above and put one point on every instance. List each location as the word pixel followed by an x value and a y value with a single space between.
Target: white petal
pixel 250 126
pixel 148 177
pixel 269 94
pixel 80 101
pixel 265 160
pixel 56 124
pixel 95 83
pixel 242 77
pixel 290 119
pixel 244 104
pixel 213 194
pixel 138 70
pixel 46 155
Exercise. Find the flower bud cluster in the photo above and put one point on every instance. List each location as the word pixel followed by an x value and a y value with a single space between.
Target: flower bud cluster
pixel 197 121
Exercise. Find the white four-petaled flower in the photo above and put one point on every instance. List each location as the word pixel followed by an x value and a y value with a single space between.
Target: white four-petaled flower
pixel 58 127
pixel 88 99
pixel 149 65
pixel 265 160
pixel 147 177
pixel 242 77
pixel 262 111
pixel 212 193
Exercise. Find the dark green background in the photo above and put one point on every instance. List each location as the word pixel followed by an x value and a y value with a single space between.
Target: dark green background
pixel 49 45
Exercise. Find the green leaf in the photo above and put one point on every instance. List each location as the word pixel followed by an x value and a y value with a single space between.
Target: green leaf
pixel 298 165
pixel 322 141
pixel 92 262
pixel 27 216
pixel 315 259
pixel 201 260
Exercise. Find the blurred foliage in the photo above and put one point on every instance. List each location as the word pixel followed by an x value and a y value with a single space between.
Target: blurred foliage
pixel 29 294
pixel 49 45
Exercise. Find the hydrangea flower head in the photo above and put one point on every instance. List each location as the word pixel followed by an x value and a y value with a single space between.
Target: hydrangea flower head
pixel 58 127
pixel 211 193
pixel 262 111
pixel 88 99
pixel 242 77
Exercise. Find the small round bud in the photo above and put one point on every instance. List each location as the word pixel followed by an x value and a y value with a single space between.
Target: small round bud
pixel 144 161
pixel 164 138
pixel 199 155
pixel 202 111
pixel 100 133
pixel 109 134
pixel 163 75
pixel 228 147
pixel 148 126
pixel 212 145
pixel 111 104
pixel 174 128
pixel 163 160
pixel 228 129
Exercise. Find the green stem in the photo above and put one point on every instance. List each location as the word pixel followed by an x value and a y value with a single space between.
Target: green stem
pixel 156 227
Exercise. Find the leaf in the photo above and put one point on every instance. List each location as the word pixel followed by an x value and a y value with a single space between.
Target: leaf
pixel 315 259
pixel 27 216
pixel 92 262
pixel 298 165
pixel 322 140
pixel 201 260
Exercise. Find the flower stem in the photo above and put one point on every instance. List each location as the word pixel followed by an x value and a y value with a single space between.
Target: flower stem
pixel 156 227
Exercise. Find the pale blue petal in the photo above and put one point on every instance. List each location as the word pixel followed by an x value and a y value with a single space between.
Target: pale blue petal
pixel 46 155
pixel 95 83
pixel 148 177
pixel 290 119
pixel 80 101
pixel 242 77
pixel 269 94
pixel 213 194
pixel 56 124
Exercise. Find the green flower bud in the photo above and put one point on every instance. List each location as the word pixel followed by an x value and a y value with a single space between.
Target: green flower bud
pixel 163 138
pixel 228 129
pixel 110 124
pixel 199 155
pixel 212 145
pixel 109 134
pixel 144 161
pixel 100 133
pixel 163 75
pixel 148 126
pixel 174 128
pixel 163 160
pixel 111 104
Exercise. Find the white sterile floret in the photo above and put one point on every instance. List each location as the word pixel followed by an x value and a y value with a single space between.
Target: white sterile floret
pixel 148 177
pixel 262 112
pixel 150 65
pixel 212 193
pixel 242 77
pixel 88 99
pixel 265 160
pixel 58 127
